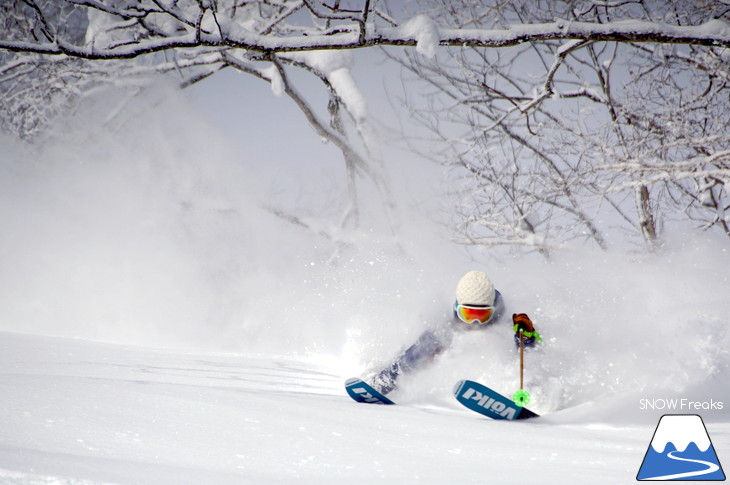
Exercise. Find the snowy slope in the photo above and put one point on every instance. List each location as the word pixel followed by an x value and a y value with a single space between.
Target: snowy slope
pixel 143 245
pixel 80 412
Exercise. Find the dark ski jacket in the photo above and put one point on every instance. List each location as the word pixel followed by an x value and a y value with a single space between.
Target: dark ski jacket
pixel 431 343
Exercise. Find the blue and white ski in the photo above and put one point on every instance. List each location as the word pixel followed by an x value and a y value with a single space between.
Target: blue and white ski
pixel 483 400
pixel 361 391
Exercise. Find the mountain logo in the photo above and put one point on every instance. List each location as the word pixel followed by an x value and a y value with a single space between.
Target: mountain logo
pixel 681 450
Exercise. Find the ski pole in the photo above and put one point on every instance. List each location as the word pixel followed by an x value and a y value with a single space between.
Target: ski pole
pixel 522 397
pixel 522 359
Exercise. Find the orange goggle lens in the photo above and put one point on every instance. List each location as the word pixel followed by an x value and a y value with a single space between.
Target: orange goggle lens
pixel 470 314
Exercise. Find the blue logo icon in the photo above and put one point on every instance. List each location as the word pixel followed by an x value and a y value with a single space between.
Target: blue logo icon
pixel 681 450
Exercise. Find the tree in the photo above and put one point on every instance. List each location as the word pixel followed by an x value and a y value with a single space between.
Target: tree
pixel 40 83
pixel 556 139
pixel 534 192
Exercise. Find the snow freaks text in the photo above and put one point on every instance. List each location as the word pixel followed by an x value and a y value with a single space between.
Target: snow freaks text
pixel 676 404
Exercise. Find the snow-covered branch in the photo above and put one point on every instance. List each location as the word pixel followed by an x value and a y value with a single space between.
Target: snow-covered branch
pixel 716 166
pixel 234 33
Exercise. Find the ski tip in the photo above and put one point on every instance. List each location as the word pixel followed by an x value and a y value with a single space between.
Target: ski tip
pixel 458 386
pixel 352 380
pixel 488 402
pixel 361 391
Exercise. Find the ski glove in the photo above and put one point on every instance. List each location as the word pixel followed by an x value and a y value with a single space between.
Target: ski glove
pixel 522 322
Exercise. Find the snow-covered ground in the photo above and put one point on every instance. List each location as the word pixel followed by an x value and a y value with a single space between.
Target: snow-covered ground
pixel 158 326
pixel 77 412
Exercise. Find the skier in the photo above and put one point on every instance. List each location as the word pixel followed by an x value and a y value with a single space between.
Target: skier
pixel 478 305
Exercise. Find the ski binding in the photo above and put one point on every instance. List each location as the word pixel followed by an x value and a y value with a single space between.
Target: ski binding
pixel 361 391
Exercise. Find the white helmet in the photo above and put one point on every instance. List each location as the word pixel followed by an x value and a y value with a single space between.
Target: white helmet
pixel 475 288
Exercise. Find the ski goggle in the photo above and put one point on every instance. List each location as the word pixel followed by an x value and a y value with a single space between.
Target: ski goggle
pixel 473 314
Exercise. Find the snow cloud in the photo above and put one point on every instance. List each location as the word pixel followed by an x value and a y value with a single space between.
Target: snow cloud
pixel 152 230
